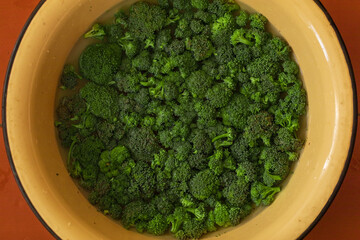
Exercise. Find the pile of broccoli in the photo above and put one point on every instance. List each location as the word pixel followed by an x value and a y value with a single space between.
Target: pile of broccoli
pixel 182 117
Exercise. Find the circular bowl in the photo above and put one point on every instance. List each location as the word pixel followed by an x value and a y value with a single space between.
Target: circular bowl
pixel 31 141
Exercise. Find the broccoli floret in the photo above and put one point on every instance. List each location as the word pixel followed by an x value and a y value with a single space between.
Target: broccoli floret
pixel 101 101
pixel 230 136
pixel 145 19
pixel 201 47
pixel 236 214
pixel 198 83
pixel 110 161
pixel 200 4
pixel 121 19
pixel 290 108
pixel 135 212
pixel 162 39
pixel 237 193
pixel 99 62
pixel 276 165
pixel 222 29
pixel 201 142
pixel 261 194
pixel 222 217
pixel 203 184
pixel 69 78
pixel 142 143
pixel 158 225
pixel 176 219
pixel 176 47
pixel 248 170
pixel 193 229
pixel 97 31
pixel 258 21
pixel 216 162
pixel 142 61
pixel 259 127
pixel 144 176
pixel 263 66
pixel 277 49
pixel 236 112
pixel 196 26
pixel 221 7
pixel 242 19
pixel 130 45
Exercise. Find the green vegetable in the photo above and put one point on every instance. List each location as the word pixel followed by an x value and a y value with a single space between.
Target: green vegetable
pixel 184 116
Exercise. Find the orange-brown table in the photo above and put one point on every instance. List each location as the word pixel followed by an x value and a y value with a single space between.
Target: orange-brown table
pixel 342 220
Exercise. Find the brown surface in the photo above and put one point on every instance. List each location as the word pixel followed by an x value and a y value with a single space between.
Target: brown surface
pixel 18 222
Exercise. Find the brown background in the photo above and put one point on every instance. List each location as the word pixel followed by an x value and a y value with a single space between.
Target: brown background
pixel 342 220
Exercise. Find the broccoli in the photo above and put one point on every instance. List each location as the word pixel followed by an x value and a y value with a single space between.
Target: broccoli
pixel 145 19
pixel 222 216
pixel 101 100
pixel 182 116
pixel 157 225
pixel 201 47
pixel 198 83
pixel 97 31
pixel 99 62
pixel 203 184
pixel 261 194
pixel 69 78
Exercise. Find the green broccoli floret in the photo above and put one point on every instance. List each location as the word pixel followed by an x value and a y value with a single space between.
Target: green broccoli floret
pixel 221 7
pixel 287 141
pixel 236 112
pixel 201 47
pixel 200 4
pixel 142 61
pixel 203 184
pixel 237 193
pixel 248 170
pixel 222 29
pixel 201 142
pixel 277 49
pixel 157 225
pixel 263 66
pixel 242 19
pixel 290 108
pixel 176 219
pixel 230 136
pixel 222 217
pixel 97 31
pixel 276 165
pixel 162 39
pixel 142 143
pixel 236 214
pixel 99 62
pixel 136 212
pixel 130 45
pixel 198 83
pixel 259 127
pixel 144 176
pixel 193 228
pixel 196 26
pixel 101 100
pixel 110 161
pixel 241 36
pixel 258 21
pixel 261 194
pixel 216 162
pixel 121 19
pixel 176 47
pixel 145 19
pixel 69 77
